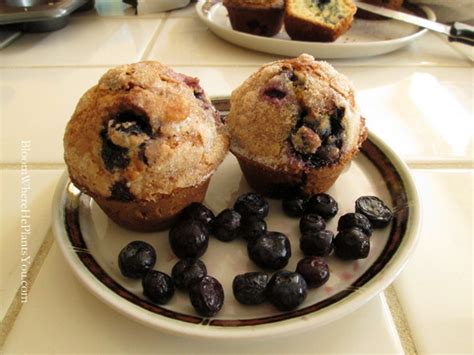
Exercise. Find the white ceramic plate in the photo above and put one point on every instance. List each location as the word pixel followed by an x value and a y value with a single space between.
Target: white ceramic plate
pixel 91 243
pixel 365 38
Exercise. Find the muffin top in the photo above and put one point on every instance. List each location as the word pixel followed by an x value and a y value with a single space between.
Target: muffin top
pixel 143 130
pixel 295 114
pixel 255 3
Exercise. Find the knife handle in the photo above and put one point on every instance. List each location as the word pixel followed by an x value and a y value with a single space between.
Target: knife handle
pixel 460 32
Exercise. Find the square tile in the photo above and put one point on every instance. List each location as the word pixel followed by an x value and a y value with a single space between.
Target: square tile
pixel 82 324
pixel 188 11
pixel 435 289
pixel 35 105
pixel 85 41
pixel 25 220
pixel 424 113
pixel 188 42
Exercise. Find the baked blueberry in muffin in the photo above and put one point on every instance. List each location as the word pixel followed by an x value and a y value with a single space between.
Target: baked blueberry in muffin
pixel 144 143
pixel 294 123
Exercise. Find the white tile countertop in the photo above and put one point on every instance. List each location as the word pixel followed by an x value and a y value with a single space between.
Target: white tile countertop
pixel 419 100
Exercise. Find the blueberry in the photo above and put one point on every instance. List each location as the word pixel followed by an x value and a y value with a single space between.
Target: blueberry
pixel 375 210
pixel 358 220
pixel 275 93
pixel 226 225
pixel 281 191
pixel 249 288
pixel 186 271
pixel 328 153
pixel 351 244
pixel 113 156
pixel 294 207
pixel 286 290
pixel 314 270
pixel 207 296
pixel 132 123
pixel 251 204
pixel 189 239
pixel 312 223
pixel 271 250
pixel 120 191
pixel 198 212
pixel 323 205
pixel 136 259
pixel 158 287
pixel 317 244
pixel 252 227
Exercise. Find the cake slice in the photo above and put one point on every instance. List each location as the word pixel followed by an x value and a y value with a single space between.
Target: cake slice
pixel 318 20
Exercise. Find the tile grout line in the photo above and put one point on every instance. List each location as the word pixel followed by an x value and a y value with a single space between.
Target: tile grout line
pixel 400 320
pixel 15 307
pixel 153 38
pixel 223 65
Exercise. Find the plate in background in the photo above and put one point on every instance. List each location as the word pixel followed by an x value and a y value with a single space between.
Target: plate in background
pixel 365 38
pixel 91 243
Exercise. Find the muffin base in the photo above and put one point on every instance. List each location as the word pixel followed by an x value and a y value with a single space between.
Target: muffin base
pixel 152 216
pixel 276 183
pixel 261 22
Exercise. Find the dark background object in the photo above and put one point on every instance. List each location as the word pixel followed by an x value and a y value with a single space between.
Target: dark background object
pixel 40 15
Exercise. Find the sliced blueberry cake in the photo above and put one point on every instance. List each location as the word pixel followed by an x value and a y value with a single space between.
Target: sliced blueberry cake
pixel 318 20
pixel 144 143
pixel 258 17
pixel 294 126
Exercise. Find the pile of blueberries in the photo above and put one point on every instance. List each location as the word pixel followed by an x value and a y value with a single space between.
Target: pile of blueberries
pixel 286 290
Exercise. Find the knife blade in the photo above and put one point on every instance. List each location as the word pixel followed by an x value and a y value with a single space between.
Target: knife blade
pixel 457 32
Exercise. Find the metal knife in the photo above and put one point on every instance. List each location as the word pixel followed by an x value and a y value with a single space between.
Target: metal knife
pixel 457 32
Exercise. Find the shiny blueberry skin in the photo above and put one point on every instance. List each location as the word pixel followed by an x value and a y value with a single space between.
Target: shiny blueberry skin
pixel 250 288
pixel 251 204
pixel 136 259
pixel 286 290
pixel 323 205
pixel 252 227
pixel 317 244
pixel 198 212
pixel 226 225
pixel 358 220
pixel 312 223
pixel 189 239
pixel 314 270
pixel 186 271
pixel 206 296
pixel 271 250
pixel 375 210
pixel 294 207
pixel 351 244
pixel 158 287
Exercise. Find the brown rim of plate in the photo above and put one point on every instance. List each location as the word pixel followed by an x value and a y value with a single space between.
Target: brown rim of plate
pixel 398 228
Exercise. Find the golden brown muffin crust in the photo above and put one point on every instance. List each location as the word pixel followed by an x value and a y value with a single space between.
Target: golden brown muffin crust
pixel 142 131
pixel 265 129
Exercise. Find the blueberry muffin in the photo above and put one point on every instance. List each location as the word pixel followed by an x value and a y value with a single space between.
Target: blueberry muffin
pixel 318 20
pixel 258 17
pixel 389 4
pixel 144 143
pixel 294 125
